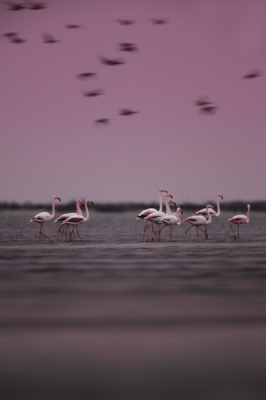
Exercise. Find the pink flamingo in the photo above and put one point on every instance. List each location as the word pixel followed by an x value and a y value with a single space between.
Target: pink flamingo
pixel 148 211
pixel 156 216
pixel 78 219
pixel 239 219
pixel 64 229
pixel 199 220
pixel 172 219
pixel 213 213
pixel 43 217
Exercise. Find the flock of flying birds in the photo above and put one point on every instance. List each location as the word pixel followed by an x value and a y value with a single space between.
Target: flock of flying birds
pixel 14 37
pixel 203 103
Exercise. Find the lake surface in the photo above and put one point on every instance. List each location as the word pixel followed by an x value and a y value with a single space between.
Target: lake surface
pixel 113 317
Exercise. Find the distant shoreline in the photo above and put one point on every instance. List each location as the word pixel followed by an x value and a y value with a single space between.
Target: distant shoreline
pixel 238 206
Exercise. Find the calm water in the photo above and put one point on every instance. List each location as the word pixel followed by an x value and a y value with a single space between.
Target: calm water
pixel 113 317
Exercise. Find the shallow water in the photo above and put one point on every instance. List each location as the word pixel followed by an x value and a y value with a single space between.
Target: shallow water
pixel 115 317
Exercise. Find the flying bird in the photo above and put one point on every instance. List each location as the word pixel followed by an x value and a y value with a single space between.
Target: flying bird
pixel 36 5
pixel 159 21
pixel 253 74
pixel 10 34
pixel 102 121
pixel 125 22
pixel 72 26
pixel 48 38
pixel 203 101
pixel 86 75
pixel 239 219
pixel 208 109
pixel 16 39
pixel 126 111
pixel 93 93
pixel 108 61
pixel 127 47
pixel 15 6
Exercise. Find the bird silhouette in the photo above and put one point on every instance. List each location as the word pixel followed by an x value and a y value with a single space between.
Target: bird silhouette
pixel 10 34
pixel 14 38
pixel 102 121
pixel 48 38
pixel 72 26
pixel 108 61
pixel 208 109
pixel 93 93
pixel 125 22
pixel 203 101
pixel 127 47
pixel 253 74
pixel 86 75
pixel 15 6
pixel 157 21
pixel 126 111
pixel 36 5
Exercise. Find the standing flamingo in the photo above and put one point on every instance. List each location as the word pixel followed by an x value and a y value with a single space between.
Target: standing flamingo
pixel 199 220
pixel 213 213
pixel 78 219
pixel 43 217
pixel 172 219
pixel 156 216
pixel 239 219
pixel 148 211
pixel 64 229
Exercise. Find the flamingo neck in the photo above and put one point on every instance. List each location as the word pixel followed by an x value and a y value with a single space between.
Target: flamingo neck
pixel 53 209
pixel 78 209
pixel 87 211
pixel 160 202
pixel 167 206
pixel 209 216
pixel 248 214
pixel 178 215
pixel 218 212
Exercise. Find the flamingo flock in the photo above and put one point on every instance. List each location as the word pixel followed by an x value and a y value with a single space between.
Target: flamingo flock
pixel 155 220
pixel 67 220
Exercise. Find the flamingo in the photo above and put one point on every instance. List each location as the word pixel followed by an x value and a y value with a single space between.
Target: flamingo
pixel 239 219
pixel 43 217
pixel 213 213
pixel 78 219
pixel 148 211
pixel 199 220
pixel 172 219
pixel 156 216
pixel 65 216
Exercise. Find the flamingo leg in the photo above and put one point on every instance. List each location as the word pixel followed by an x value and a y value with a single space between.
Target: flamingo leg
pixel 78 232
pixel 41 233
pixel 187 232
pixel 238 231
pixel 202 231
pixel 159 232
pixel 231 226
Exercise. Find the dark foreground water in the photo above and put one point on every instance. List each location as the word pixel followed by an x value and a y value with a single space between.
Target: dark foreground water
pixel 112 317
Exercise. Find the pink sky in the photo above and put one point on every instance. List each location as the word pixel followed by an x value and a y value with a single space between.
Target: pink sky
pixel 49 144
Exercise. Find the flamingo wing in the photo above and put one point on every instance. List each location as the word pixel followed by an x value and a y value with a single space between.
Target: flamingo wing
pixel 238 219
pixel 41 217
